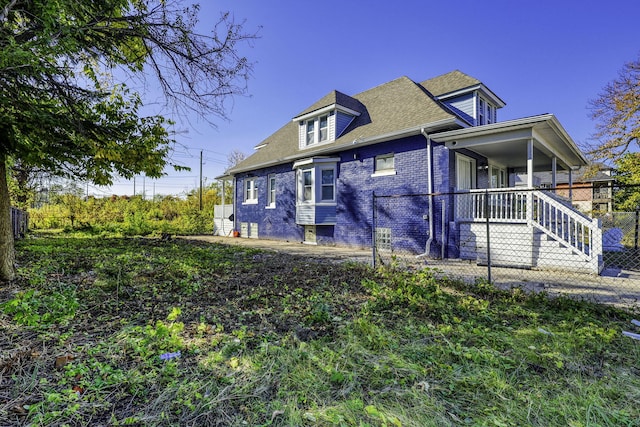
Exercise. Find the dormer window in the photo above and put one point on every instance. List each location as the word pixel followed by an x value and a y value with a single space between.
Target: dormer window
pixel 317 130
pixel 323 125
pixel 311 132
pixel 486 112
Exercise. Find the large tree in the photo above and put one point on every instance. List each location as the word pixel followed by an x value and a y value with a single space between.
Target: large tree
pixel 617 115
pixel 627 173
pixel 62 109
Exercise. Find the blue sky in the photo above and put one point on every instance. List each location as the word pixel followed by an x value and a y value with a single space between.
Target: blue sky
pixel 539 56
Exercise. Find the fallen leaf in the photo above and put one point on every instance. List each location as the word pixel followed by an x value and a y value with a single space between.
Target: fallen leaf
pixel 63 360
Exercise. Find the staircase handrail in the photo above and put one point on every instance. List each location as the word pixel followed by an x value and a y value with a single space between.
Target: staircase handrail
pixel 570 231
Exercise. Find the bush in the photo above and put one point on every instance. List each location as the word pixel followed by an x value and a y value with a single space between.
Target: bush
pixel 127 216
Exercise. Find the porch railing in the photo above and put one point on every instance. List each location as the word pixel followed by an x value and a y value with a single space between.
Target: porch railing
pixel 566 225
pixel 539 209
pixel 500 205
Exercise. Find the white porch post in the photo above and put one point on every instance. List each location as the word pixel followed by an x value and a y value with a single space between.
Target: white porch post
pixel 530 163
pixel 554 166
pixel 530 179
pixel 570 184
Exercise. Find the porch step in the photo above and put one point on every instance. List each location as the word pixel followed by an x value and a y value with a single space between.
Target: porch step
pixel 549 242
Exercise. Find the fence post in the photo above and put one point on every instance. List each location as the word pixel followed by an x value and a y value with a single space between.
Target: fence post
pixel 443 229
pixel 373 230
pixel 635 233
pixel 486 216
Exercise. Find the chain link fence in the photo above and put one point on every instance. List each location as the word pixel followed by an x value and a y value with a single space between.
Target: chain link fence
pixel 537 240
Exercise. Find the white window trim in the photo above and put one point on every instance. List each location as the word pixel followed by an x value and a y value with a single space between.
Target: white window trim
pixel 474 178
pixel 321 185
pixel 319 129
pixel 316 130
pixel 316 166
pixel 487 110
pixel 313 132
pixel 384 172
pixel 301 187
pixel 254 192
pixel 314 120
pixel 271 204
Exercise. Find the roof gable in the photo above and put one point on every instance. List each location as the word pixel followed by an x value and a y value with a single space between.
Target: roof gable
pixel 450 82
pixel 456 83
pixel 333 98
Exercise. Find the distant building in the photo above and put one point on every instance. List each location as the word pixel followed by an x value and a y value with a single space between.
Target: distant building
pixel 591 189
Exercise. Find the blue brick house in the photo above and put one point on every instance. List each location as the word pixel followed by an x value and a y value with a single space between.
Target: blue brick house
pixel 314 179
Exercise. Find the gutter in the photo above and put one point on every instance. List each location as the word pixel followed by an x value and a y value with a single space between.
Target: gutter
pixel 427 246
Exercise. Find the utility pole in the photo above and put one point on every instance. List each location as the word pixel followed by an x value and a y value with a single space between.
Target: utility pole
pixel 200 179
pixel 134 185
pixel 144 190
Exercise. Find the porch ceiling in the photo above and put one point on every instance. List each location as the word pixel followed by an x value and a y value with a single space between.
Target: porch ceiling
pixel 506 143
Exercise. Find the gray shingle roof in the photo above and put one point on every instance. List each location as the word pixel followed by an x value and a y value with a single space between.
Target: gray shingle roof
pixel 394 106
pixel 450 82
pixel 333 97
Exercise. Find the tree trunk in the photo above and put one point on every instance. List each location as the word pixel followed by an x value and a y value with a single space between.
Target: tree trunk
pixel 7 251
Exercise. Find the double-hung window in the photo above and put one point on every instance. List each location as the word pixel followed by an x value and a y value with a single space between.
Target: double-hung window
pixel 250 191
pixel 317 130
pixel 316 190
pixel 271 191
pixel 311 132
pixel 316 181
pixel 481 111
pixel 491 114
pixel 307 185
pixel 328 185
pixel 323 125
pixel 486 112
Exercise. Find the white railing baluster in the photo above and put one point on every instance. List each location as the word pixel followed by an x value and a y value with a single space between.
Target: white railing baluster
pixel 545 212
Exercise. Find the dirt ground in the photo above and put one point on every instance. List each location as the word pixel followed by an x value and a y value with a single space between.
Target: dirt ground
pixel 294 248
pixel 622 290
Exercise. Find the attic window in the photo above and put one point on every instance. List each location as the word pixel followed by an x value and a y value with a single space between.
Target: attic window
pixel 481 111
pixel 486 112
pixel 324 128
pixel 317 130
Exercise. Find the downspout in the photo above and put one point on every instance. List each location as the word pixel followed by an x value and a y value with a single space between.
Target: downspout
pixel 234 204
pixel 427 246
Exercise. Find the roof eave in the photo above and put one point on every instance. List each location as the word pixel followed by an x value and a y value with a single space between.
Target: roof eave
pixel 523 123
pixel 360 142
pixel 481 86
pixel 326 109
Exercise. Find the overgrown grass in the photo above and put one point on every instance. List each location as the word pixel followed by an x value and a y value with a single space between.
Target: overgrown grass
pixel 267 339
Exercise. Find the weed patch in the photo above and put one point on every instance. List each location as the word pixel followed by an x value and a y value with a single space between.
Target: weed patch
pixel 132 331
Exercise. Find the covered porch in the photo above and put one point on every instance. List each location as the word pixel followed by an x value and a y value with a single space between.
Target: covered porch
pixel 529 145
pixel 529 227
